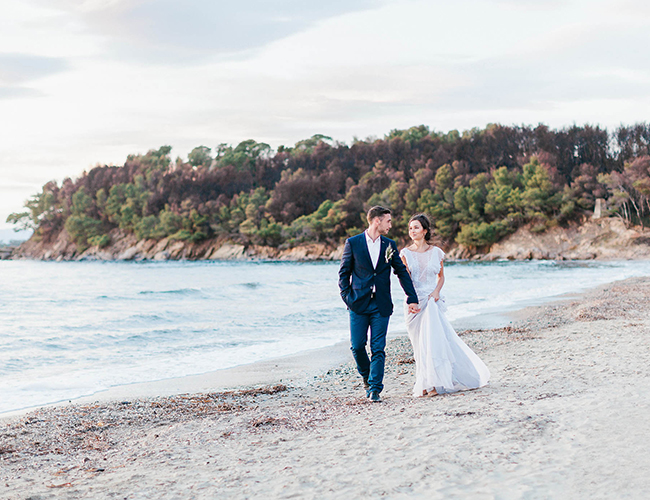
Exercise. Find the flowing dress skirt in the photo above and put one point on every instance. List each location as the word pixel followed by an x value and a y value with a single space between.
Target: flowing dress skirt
pixel 442 360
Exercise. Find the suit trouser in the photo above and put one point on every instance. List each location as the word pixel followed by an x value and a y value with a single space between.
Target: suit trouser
pixel 373 368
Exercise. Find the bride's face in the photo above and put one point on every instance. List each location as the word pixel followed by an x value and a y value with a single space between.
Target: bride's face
pixel 416 231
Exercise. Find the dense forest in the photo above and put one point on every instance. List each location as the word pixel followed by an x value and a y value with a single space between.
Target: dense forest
pixel 478 186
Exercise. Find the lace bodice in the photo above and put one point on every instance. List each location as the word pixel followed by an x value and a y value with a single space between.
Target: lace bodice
pixel 424 268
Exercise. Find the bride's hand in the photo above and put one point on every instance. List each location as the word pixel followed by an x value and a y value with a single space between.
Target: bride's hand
pixel 435 296
pixel 414 308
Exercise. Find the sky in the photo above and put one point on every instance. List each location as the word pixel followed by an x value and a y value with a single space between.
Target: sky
pixel 87 82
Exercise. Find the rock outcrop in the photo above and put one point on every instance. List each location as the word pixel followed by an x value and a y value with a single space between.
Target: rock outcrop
pixel 127 247
pixel 603 239
pixel 6 252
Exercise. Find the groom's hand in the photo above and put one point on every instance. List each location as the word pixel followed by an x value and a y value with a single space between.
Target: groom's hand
pixel 414 308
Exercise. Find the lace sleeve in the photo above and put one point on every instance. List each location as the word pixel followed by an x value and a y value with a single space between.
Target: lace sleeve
pixel 441 254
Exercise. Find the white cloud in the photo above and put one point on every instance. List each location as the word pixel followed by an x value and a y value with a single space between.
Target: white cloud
pixel 279 72
pixel 21 68
pixel 172 32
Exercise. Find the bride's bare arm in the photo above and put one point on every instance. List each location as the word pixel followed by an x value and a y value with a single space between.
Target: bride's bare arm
pixel 435 295
pixel 405 264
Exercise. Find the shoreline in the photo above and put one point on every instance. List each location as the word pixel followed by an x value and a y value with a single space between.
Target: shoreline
pixel 592 239
pixel 299 366
pixel 564 415
pixel 296 368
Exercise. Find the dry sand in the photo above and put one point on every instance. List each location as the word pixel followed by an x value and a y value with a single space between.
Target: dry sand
pixel 565 416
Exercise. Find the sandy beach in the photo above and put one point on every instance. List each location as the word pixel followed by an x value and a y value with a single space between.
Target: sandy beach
pixel 565 416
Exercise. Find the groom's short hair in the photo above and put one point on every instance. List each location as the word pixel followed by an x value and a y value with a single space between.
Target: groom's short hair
pixel 377 211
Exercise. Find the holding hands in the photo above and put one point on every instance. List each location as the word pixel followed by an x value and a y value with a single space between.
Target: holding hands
pixel 414 308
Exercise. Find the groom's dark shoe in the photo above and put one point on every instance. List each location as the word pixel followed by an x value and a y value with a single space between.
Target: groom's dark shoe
pixel 366 384
pixel 374 397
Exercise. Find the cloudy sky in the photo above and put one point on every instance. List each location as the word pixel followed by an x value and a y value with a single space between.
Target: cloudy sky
pixel 90 81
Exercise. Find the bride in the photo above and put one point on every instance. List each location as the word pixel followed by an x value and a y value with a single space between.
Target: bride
pixel 443 362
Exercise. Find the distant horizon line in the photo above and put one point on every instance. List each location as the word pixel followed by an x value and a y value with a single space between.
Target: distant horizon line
pixel 8 235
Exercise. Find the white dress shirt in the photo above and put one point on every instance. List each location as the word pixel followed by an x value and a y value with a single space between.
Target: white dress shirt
pixel 374 247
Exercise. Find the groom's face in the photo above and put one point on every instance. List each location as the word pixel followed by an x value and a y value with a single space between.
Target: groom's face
pixel 385 223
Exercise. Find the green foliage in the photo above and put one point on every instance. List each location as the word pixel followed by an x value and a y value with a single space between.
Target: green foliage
pixel 182 234
pixel 270 232
pixel 441 203
pixel 477 185
pixel 154 160
pixel 43 210
pixel 244 156
pixel 477 235
pixel 503 197
pixel 441 209
pixel 537 196
pixel 101 199
pixel 170 222
pixel 248 211
pixel 327 220
pixel 198 226
pixel 81 202
pixel 469 201
pixel 193 227
pixel 102 241
pixel 444 179
pixel 149 227
pixel 394 197
pixel 307 146
pixel 125 203
pixel 200 156
pixel 81 228
pixel 244 215
pixel 412 135
pixel 22 221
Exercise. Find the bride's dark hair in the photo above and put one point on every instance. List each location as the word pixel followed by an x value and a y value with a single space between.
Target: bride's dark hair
pixel 426 224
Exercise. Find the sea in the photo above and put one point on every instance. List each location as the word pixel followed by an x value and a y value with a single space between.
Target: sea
pixel 72 329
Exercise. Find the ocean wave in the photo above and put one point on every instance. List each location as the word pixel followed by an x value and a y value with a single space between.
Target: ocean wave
pixel 179 291
pixel 115 324
pixel 251 285
pixel 141 318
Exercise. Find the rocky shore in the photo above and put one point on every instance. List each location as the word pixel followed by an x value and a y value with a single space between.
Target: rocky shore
pixel 6 252
pixel 127 247
pixel 602 239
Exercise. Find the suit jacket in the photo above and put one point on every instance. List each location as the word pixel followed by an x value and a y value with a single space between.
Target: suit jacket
pixel 357 276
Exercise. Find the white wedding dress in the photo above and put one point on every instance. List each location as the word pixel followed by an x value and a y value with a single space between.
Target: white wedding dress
pixel 442 360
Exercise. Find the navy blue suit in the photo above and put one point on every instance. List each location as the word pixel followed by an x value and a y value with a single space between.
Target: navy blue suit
pixel 357 277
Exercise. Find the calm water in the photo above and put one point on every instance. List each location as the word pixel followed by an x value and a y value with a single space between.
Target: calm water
pixel 71 329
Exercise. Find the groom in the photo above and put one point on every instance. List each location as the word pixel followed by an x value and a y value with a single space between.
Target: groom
pixel 364 281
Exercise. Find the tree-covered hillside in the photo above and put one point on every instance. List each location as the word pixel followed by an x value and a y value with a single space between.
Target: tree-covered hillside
pixel 478 187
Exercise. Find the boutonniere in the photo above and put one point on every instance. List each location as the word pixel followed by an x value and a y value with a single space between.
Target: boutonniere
pixel 389 253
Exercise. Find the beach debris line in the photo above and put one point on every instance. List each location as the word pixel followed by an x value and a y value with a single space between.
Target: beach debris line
pixel 75 428
pixel 269 421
